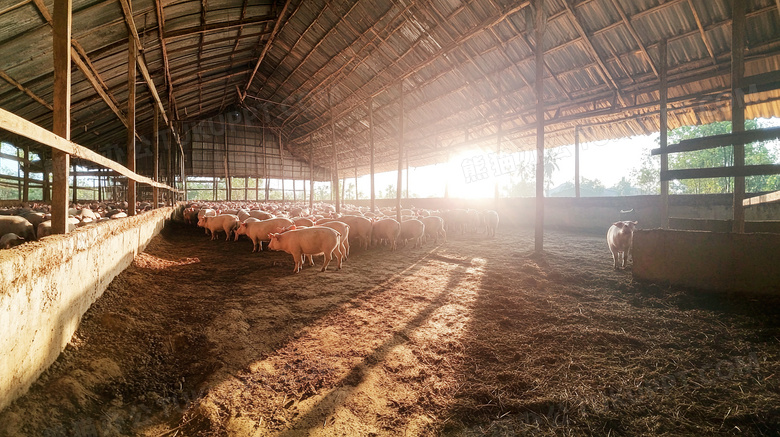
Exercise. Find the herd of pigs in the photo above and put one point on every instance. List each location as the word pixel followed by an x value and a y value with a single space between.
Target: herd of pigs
pixel 32 222
pixel 303 232
pixel 295 228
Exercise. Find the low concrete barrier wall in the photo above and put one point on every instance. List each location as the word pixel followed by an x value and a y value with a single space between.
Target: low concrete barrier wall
pixel 46 286
pixel 713 261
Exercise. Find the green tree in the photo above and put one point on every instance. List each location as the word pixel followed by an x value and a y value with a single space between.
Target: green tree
pixel 755 153
pixel 388 193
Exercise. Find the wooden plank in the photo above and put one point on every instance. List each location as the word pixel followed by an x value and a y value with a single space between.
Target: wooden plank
pixel 704 38
pixel 764 198
pixel 723 140
pixel 156 157
pixel 721 172
pixel 18 125
pixel 61 123
pixel 93 80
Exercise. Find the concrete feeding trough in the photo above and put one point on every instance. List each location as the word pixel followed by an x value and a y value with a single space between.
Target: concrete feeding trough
pixel 712 261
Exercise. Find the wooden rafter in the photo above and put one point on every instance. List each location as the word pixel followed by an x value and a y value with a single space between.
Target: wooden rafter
pixel 164 49
pixel 231 59
pixel 133 31
pixel 267 46
pixel 592 50
pixel 214 27
pixel 703 34
pixel 633 33
pixel 25 90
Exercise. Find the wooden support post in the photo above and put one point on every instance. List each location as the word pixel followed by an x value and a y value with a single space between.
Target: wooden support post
pixel 343 183
pixel 156 152
pixel 664 128
pixel 738 107
pixel 335 191
pixel 406 189
pixel 371 150
pixel 539 57
pixel 246 188
pixel 281 163
pixel 100 186
pixel 311 175
pixel 26 186
pixel 171 177
pixel 447 178
pixel 132 53
pixel 75 199
pixel 61 126
pixel 499 137
pixel 577 161
pixel 228 184
pixel 399 186
pixel 356 188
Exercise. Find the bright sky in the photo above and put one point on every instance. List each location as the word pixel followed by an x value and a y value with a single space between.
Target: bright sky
pixel 474 174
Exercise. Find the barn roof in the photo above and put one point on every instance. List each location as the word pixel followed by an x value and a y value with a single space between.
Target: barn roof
pixel 465 66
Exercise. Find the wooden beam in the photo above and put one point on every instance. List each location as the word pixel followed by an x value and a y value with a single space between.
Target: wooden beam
pixel 335 176
pixel 634 34
pixel 164 49
pixel 61 125
pixel 577 161
pixel 721 172
pixel 399 186
pixel 664 129
pixel 132 54
pixel 311 175
pixel 539 28
pixel 133 31
pixel 739 138
pixel 265 48
pixel 764 198
pixel 94 81
pixel 738 41
pixel 156 153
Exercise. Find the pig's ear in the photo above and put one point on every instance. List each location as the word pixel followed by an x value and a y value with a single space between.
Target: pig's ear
pixel 635 222
pixel 619 224
pixel 272 236
pixel 292 228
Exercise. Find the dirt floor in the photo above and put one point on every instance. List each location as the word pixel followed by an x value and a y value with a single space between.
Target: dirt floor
pixel 470 337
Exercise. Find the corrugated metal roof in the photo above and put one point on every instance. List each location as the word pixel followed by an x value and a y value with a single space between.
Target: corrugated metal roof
pixel 464 66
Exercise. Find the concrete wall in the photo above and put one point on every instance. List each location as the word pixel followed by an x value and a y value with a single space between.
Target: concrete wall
pixel 597 213
pixel 46 286
pixel 708 260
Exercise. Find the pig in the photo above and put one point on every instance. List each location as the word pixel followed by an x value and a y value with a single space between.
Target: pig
pixel 491 222
pixel 44 228
pixel 456 220
pixel 359 229
pixel 262 215
pixel 247 220
pixel 303 221
pixel 17 225
pixel 412 229
pixel 222 222
pixel 343 229
pixel 308 241
pixel 10 240
pixel 35 218
pixel 434 226
pixel 258 231
pixel 620 237
pixel 386 230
